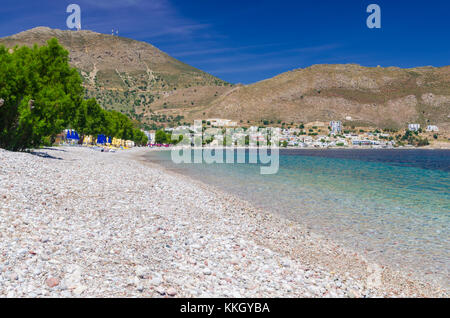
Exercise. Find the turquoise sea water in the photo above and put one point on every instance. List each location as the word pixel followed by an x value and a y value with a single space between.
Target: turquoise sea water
pixel 392 205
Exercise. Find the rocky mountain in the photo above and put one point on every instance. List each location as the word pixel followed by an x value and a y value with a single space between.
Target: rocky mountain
pixel 382 97
pixel 131 76
pixel 152 87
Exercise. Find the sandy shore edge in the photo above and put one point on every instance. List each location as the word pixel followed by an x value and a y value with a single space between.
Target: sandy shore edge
pixel 79 223
pixel 320 251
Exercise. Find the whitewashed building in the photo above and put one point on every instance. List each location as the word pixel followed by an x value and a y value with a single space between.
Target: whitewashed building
pixel 336 127
pixel 413 127
pixel 150 136
pixel 432 128
pixel 217 122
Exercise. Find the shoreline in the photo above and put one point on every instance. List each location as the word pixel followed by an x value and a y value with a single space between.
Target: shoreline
pixel 351 256
pixel 306 148
pixel 81 223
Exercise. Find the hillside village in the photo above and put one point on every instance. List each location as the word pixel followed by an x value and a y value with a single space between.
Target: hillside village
pixel 320 106
pixel 225 132
pixel 157 91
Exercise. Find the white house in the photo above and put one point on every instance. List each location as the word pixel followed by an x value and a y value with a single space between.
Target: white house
pixel 413 127
pixel 217 122
pixel 432 128
pixel 150 136
pixel 336 127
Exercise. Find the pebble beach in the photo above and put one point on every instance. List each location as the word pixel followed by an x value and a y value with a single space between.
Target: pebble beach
pixel 75 222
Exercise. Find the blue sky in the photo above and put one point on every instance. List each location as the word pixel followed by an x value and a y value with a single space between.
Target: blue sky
pixel 244 41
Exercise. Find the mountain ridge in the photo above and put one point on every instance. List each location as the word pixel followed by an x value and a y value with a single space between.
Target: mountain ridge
pixel 150 86
pixel 130 76
pixel 382 97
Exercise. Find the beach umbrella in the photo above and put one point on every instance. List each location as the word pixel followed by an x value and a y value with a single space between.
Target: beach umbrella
pixel 101 139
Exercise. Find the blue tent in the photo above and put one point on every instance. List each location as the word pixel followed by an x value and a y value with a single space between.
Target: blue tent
pixel 76 136
pixel 109 140
pixel 69 136
pixel 101 139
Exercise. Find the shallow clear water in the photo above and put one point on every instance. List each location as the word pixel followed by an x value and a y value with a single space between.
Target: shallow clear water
pixel 392 205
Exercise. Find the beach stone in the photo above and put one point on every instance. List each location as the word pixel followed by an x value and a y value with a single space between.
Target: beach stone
pixel 66 294
pixel 207 271
pixel 160 290
pixel 13 277
pixel 156 281
pixel 141 272
pixel 80 289
pixel 52 282
pixel 171 292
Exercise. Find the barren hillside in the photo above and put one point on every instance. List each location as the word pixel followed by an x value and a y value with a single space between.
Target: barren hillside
pixel 131 76
pixel 384 97
pixel 154 88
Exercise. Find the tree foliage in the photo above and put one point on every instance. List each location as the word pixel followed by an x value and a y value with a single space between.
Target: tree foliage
pixel 161 137
pixel 42 95
pixel 40 91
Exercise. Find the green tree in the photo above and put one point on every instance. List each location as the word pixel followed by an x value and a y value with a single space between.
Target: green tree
pixel 247 140
pixel 227 141
pixel 139 137
pixel 160 137
pixel 41 93
pixel 91 119
pixel 120 126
